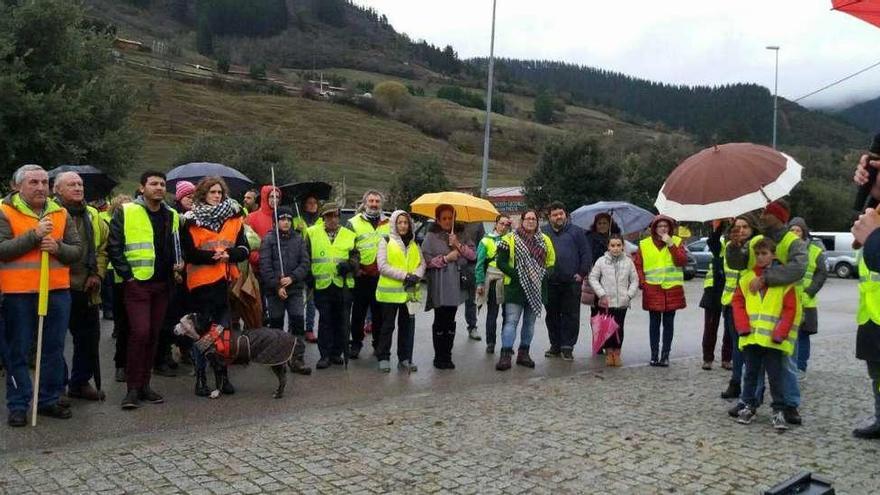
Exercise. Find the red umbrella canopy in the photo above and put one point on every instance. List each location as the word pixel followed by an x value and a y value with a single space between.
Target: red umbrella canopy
pixel 866 10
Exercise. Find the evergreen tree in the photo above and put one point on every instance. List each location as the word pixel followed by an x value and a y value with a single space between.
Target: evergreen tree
pixel 59 101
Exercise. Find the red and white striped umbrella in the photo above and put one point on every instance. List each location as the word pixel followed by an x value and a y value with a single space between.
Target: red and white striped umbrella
pixel 727 180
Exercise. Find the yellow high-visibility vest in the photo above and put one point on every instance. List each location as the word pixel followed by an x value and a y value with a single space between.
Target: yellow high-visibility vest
pixel 367 241
pixel 812 264
pixel 390 290
pixel 139 249
pixel 326 256
pixel 765 312
pixel 658 265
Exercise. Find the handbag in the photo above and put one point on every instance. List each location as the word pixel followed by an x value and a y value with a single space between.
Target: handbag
pixel 588 297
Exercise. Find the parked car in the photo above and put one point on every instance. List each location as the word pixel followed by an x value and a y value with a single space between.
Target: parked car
pixel 840 257
pixel 699 249
pixel 690 269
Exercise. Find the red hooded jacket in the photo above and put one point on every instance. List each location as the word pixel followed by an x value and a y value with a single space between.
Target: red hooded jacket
pixel 262 221
pixel 654 297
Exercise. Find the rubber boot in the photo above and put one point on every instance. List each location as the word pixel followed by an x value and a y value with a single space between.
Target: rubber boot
pixel 226 387
pixel 202 389
pixel 504 361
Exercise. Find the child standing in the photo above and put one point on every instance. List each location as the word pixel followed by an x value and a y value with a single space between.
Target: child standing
pixel 765 321
pixel 615 283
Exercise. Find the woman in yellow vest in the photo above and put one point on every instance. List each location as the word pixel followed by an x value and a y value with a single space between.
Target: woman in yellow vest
pixel 401 268
pixel 741 233
pixel 659 261
pixel 766 322
pixel 808 289
pixel 213 243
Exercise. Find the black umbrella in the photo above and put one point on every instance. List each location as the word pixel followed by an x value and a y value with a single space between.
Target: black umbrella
pixel 193 172
pixel 297 191
pixel 96 184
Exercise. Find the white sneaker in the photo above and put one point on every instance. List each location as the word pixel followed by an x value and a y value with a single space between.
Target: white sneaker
pixel 746 416
pixel 385 366
pixel 802 375
pixel 778 421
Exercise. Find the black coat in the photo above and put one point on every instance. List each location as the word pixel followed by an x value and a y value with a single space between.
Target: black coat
pixel 297 262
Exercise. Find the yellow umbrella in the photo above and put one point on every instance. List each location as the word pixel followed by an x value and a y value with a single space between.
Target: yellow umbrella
pixel 468 208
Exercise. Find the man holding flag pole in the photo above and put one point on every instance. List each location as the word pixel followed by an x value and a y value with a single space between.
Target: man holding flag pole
pixel 36 235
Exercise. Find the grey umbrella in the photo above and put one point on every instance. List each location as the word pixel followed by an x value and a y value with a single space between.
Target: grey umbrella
pixel 193 172
pixel 628 217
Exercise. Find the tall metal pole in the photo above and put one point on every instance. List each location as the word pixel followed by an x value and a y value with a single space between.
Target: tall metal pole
pixel 484 183
pixel 775 93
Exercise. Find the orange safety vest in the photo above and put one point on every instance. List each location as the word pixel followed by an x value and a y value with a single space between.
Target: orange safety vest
pixel 208 240
pixel 22 275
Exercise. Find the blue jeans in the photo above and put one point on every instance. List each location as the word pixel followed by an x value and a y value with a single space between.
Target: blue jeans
pixel 803 351
pixel 512 315
pixel 736 356
pixel 20 315
pixel 790 388
pixel 759 359
pixel 668 320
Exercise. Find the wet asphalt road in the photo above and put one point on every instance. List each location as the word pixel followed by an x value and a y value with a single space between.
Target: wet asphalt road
pixel 337 387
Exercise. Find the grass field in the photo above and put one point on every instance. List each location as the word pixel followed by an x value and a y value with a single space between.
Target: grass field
pixel 335 142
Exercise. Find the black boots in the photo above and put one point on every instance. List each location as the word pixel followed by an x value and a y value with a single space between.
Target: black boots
pixel 504 361
pixel 225 386
pixel 732 392
pixel 202 389
pixel 523 358
pixel 870 432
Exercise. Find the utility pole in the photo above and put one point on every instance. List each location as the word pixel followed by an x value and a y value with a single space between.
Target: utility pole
pixel 775 93
pixel 484 183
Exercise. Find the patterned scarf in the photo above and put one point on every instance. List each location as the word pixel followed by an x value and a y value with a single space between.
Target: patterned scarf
pixel 530 252
pixel 212 217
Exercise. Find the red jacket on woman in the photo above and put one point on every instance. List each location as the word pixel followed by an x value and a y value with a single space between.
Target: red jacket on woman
pixel 654 297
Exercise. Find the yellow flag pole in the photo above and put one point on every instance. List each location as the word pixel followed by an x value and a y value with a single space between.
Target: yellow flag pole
pixel 42 310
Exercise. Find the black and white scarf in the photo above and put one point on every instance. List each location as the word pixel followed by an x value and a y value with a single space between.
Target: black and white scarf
pixel 530 251
pixel 213 217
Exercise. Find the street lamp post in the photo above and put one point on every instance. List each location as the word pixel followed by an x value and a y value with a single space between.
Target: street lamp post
pixel 775 93
pixel 484 183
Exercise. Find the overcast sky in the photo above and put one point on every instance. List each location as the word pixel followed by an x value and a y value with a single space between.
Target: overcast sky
pixel 676 41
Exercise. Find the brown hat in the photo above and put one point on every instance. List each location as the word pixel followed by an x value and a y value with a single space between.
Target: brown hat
pixel 329 207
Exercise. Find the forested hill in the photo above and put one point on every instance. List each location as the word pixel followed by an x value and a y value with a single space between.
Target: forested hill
pixel 737 112
pixel 865 115
pixel 323 34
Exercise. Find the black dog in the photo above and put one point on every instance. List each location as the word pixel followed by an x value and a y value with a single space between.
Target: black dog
pixel 223 346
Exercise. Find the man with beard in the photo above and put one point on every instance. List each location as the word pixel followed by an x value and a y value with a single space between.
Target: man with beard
pixel 369 226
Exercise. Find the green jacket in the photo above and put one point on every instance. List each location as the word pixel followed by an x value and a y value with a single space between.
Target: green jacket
pixel 513 292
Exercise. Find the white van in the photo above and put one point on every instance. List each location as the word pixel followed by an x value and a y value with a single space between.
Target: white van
pixel 840 257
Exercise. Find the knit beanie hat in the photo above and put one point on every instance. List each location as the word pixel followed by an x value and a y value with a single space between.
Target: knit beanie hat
pixel 779 210
pixel 183 189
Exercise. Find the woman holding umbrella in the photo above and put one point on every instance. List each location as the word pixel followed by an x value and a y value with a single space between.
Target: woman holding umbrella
pixel 526 257
pixel 659 262
pixel 213 242
pixel 446 255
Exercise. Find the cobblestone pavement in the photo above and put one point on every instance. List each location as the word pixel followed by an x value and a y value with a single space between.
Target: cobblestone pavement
pixel 629 430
